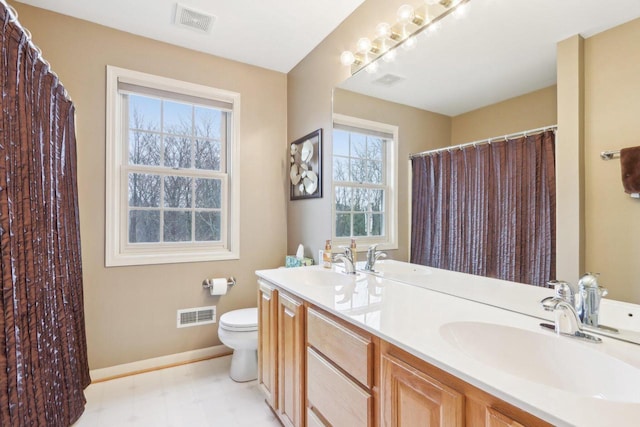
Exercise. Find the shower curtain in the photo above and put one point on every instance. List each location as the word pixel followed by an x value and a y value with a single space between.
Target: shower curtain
pixel 43 355
pixel 487 210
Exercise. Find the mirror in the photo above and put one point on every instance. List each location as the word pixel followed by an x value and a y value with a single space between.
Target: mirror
pixel 492 72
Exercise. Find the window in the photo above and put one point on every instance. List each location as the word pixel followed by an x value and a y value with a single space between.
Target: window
pixel 171 150
pixel 364 179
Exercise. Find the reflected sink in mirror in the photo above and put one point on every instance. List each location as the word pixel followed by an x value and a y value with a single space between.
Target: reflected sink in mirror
pixel 401 271
pixel 547 359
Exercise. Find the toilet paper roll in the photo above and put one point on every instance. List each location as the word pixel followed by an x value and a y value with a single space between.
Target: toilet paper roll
pixel 218 286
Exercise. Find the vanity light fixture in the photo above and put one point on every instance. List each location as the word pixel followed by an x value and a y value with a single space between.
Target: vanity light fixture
pixel 410 21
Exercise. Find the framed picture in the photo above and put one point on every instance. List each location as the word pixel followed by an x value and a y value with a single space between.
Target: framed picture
pixel 305 166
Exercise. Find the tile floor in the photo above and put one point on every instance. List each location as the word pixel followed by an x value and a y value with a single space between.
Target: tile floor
pixel 198 394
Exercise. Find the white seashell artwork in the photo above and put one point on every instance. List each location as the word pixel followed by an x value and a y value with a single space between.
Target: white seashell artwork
pixel 294 174
pixel 305 166
pixel 310 184
pixel 307 151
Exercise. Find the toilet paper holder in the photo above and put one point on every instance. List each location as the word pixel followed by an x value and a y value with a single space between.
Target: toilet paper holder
pixel 208 283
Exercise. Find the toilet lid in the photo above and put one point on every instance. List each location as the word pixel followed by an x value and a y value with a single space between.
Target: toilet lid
pixel 245 319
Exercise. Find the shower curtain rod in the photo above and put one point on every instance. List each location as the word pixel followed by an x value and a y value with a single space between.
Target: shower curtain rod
pixel 14 18
pixel 485 141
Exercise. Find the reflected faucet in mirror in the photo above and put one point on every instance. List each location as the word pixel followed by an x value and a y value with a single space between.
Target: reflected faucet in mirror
pixel 372 256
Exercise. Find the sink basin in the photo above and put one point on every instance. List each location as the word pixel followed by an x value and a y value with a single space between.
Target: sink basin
pixel 547 359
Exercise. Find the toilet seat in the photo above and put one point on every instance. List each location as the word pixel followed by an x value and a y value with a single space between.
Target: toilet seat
pixel 243 320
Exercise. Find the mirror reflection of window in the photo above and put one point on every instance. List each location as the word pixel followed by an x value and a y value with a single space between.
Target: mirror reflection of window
pixel 362 180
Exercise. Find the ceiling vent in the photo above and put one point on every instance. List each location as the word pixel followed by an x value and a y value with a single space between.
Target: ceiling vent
pixel 187 17
pixel 388 80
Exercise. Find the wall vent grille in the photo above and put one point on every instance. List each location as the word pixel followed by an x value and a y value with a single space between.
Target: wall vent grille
pixel 193 19
pixel 196 316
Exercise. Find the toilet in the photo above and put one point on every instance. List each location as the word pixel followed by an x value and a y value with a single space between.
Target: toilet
pixel 239 330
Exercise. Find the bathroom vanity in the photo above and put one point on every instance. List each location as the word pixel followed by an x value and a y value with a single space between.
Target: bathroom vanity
pixel 367 350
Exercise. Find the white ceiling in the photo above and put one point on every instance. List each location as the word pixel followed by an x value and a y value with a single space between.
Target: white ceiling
pixel 273 34
pixel 497 50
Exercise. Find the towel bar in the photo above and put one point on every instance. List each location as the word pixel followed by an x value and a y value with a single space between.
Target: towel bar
pixel 608 155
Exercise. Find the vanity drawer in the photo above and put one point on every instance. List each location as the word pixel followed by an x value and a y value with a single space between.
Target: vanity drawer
pixel 350 351
pixel 340 401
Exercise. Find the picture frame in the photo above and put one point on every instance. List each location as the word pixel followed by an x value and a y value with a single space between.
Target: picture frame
pixel 305 167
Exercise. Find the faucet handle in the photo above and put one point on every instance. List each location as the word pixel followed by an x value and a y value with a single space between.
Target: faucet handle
pixel 549 303
pixel 347 251
pixel 372 248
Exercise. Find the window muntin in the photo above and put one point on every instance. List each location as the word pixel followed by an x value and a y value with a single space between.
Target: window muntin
pixel 175 170
pixel 363 181
pixel 360 181
pixel 171 147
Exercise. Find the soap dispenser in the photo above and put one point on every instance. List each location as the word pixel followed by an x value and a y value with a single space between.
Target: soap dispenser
pixel 326 255
pixel 354 253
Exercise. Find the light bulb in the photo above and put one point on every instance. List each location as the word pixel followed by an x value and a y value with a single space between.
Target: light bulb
pixel 409 43
pixel 381 45
pixel 372 68
pixel 383 30
pixel 405 14
pixel 433 27
pixel 460 10
pixel 347 57
pixel 389 56
pixel 364 45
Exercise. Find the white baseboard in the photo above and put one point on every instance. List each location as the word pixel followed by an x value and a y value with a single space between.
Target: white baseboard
pixel 158 362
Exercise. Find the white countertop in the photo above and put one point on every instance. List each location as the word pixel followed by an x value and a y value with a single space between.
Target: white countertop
pixel 416 319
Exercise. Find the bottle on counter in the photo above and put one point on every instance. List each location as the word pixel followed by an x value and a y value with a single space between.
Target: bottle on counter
pixel 354 253
pixel 326 255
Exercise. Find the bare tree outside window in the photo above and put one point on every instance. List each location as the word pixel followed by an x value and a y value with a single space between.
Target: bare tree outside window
pixel 171 202
pixel 359 183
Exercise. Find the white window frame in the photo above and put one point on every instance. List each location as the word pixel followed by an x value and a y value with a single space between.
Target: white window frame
pixel 118 251
pixel 389 240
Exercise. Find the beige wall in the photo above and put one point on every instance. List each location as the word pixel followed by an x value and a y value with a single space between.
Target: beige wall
pixel 612 114
pixel 131 311
pixel 530 111
pixel 569 160
pixel 418 130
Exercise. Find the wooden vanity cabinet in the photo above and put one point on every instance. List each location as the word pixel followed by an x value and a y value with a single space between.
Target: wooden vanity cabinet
pixel 410 397
pixel 319 370
pixel 291 361
pixel 340 372
pixel 268 341
pixel 281 353
pixel 414 392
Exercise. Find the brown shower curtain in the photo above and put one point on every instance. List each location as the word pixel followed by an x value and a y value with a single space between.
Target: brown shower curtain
pixel 43 355
pixel 488 209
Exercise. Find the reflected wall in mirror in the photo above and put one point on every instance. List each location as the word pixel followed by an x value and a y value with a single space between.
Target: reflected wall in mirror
pixel 507 67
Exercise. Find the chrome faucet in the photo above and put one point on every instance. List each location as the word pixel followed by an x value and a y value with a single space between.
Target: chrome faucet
pixel 567 323
pixel 372 257
pixel 590 293
pixel 347 260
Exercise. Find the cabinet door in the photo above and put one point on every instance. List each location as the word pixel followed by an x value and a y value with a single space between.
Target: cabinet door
pixel 290 361
pixel 494 418
pixel 268 342
pixel 410 398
